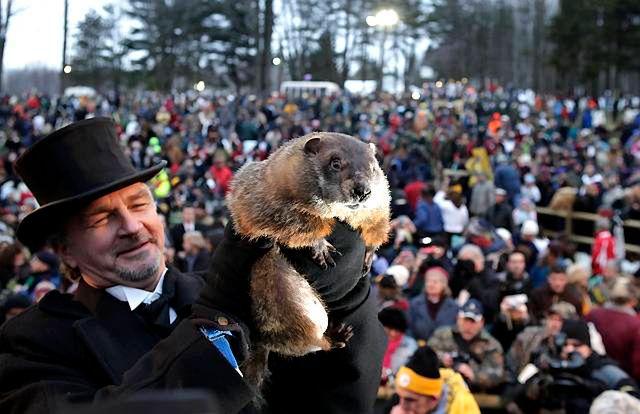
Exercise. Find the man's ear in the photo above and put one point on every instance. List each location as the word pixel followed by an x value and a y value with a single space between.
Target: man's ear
pixel 63 251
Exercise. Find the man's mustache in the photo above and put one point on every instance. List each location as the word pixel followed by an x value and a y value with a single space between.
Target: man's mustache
pixel 135 242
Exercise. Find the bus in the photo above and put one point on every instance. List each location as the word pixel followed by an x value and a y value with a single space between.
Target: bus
pixel 296 89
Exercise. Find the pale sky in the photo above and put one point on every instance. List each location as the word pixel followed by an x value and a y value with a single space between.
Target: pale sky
pixel 36 30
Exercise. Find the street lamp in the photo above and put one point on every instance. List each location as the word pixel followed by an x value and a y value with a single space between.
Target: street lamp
pixel 276 61
pixel 67 69
pixel 385 18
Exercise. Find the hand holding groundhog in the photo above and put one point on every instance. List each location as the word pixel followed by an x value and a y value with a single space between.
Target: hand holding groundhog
pixel 334 284
pixel 316 197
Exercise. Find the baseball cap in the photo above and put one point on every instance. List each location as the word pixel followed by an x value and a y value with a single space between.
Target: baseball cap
pixel 472 309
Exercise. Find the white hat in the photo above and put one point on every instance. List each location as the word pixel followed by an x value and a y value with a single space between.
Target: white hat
pixel 399 273
pixel 504 233
pixel 529 228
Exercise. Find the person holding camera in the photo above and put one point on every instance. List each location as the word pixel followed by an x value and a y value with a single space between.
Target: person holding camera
pixel 571 375
pixel 534 340
pixel 470 350
pixel 512 320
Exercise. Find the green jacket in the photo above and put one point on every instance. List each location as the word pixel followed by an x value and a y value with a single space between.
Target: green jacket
pixel 484 351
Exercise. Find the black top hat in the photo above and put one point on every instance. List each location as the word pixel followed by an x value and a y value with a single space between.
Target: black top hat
pixel 70 168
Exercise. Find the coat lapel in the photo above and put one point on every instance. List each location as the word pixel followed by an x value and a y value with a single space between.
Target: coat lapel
pixel 117 337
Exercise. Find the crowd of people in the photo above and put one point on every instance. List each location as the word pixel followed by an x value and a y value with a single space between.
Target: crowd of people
pixel 472 275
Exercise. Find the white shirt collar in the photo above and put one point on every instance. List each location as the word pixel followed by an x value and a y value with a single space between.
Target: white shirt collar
pixel 134 296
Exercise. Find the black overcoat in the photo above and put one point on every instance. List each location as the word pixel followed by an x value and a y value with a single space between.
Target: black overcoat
pixel 60 351
pixel 91 347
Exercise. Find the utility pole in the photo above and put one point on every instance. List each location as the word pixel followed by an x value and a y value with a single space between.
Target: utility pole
pixel 64 47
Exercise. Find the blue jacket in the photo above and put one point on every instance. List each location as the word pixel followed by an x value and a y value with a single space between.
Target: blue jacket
pixel 507 178
pixel 421 326
pixel 428 217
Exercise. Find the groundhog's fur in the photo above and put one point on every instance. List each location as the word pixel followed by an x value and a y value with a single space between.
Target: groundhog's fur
pixel 295 197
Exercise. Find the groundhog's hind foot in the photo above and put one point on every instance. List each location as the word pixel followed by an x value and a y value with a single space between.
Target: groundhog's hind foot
pixel 321 253
pixel 337 336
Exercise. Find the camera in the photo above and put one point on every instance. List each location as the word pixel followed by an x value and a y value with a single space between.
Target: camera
pixel 460 358
pixel 561 382
pixel 516 301
pixel 551 361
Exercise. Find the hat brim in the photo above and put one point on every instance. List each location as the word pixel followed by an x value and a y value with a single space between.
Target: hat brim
pixel 470 315
pixel 35 228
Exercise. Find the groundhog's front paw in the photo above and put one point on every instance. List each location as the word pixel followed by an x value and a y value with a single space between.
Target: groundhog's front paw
pixel 339 334
pixel 322 252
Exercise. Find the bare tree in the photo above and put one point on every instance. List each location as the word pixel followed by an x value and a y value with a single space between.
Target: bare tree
pixel 4 26
pixel 265 47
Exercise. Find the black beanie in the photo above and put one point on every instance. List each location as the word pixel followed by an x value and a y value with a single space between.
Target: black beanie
pixel 393 318
pixel 424 362
pixel 577 329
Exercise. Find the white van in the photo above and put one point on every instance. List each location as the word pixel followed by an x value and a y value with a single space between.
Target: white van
pixel 296 89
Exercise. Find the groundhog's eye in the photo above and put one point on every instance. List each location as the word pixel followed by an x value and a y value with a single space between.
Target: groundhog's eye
pixel 336 164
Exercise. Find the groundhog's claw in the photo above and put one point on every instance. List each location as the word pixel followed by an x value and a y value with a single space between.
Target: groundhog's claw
pixel 339 335
pixel 322 252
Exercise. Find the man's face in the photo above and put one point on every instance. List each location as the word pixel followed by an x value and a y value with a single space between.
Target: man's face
pixel 117 239
pixel 557 282
pixel 186 245
pixel 413 403
pixel 188 215
pixel 516 264
pixel 554 323
pixel 573 345
pixel 469 328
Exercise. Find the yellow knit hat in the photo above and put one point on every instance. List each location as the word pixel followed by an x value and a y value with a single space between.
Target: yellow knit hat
pixel 421 374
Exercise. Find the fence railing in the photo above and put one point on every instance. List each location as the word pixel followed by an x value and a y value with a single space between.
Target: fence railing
pixel 570 215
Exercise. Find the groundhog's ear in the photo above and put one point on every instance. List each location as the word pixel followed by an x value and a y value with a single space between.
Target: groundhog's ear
pixel 313 146
pixel 373 147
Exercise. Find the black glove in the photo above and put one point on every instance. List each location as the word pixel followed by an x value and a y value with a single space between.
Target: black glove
pixel 229 276
pixel 342 287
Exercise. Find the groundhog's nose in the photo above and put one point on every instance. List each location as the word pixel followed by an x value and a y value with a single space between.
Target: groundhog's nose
pixel 361 191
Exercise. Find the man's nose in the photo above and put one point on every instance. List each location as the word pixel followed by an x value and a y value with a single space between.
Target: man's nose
pixel 129 223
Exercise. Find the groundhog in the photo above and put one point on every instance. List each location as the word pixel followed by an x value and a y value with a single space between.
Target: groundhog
pixel 295 197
